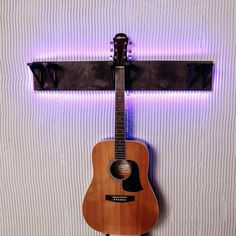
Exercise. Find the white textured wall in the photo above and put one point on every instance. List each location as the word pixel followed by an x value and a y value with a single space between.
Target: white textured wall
pixel 46 139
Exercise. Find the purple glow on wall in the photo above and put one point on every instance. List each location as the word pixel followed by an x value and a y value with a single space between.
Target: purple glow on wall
pixel 100 96
pixel 172 53
pixel 99 51
pixel 137 54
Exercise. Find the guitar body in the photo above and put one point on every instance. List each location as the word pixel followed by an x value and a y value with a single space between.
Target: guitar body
pixel 115 206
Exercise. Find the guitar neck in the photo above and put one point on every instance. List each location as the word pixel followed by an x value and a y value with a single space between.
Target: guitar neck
pixel 120 134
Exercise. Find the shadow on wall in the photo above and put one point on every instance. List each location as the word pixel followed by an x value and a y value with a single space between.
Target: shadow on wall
pixel 156 187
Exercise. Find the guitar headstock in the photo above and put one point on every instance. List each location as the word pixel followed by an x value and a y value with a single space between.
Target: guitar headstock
pixel 121 51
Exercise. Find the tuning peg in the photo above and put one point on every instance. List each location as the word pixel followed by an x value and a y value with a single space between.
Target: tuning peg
pixel 111 43
pixel 129 47
pixel 111 58
pixel 129 50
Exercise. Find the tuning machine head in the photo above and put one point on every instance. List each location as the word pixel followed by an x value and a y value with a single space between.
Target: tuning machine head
pixel 129 51
pixel 111 51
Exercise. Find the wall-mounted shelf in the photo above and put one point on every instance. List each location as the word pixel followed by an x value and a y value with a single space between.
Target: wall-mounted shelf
pixel 140 75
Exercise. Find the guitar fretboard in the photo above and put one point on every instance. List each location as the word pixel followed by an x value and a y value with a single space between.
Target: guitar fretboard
pixel 120 112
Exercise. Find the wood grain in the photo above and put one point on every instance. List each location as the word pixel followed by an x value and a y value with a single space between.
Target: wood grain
pixel 140 75
pixel 104 216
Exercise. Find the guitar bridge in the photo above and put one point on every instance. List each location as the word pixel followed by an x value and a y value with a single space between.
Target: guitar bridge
pixel 119 198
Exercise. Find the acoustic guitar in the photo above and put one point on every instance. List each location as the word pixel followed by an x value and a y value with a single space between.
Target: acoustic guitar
pixel 120 199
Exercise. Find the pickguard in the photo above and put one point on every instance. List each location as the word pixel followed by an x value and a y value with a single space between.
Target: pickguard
pixel 132 183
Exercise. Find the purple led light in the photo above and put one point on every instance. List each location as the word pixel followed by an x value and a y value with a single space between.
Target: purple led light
pixel 99 96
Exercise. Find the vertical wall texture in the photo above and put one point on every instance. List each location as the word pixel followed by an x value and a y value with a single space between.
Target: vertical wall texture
pixel 46 139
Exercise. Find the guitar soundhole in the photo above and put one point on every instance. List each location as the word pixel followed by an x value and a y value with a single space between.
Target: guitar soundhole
pixel 120 169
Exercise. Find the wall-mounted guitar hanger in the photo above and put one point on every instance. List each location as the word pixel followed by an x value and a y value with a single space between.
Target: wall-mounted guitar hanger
pixel 127 185
pixel 140 75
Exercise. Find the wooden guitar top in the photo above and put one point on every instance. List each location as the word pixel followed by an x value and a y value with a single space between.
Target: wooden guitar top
pixel 116 206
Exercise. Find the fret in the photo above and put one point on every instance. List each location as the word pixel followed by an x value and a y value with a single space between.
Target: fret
pixel 120 134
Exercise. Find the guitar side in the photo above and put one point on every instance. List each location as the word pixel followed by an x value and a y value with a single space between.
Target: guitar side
pixel 136 216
